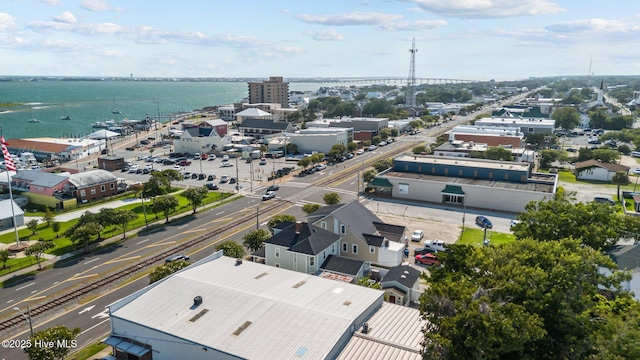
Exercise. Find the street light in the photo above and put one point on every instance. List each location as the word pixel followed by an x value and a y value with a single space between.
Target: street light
pixel 144 210
pixel 28 318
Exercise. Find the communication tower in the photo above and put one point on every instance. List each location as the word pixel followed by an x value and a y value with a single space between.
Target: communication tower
pixel 410 100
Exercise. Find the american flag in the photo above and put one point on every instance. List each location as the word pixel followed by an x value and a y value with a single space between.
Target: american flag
pixel 8 160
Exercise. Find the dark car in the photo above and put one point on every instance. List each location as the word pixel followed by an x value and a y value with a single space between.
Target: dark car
pixel 194 176
pixel 484 222
pixel 202 176
pixel 424 250
pixel 273 188
pixel 176 257
pixel 125 169
pixel 211 177
pixel 232 181
pixel 145 142
pixel 130 149
pixel 211 186
pixel 168 162
pixel 248 161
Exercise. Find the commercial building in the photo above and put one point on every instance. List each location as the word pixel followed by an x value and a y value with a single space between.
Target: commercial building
pixel 224 308
pixel 7 214
pixel 205 137
pixel 274 90
pixel 314 139
pixel 525 125
pixel 465 182
pixel 459 148
pixel 490 135
pixel 363 128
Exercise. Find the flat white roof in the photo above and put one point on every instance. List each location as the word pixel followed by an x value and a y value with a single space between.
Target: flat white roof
pixel 465 162
pixel 502 121
pixel 255 311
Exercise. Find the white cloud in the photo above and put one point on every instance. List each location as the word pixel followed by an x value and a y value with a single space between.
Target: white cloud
pixel 98 28
pixel 354 18
pixel 417 25
pixel 6 22
pixel 65 17
pixel 52 2
pixel 95 5
pixel 325 35
pixel 482 9
pixel 591 25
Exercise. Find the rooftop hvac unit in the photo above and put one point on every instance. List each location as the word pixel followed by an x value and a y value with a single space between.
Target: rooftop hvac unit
pixel 197 300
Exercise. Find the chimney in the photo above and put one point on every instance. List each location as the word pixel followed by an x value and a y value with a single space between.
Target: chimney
pixel 298 227
pixel 365 328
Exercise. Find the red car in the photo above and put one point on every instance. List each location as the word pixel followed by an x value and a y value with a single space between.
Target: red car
pixel 427 259
pixel 183 163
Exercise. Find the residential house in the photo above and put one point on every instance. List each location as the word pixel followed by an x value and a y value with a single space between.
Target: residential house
pixel 595 170
pixel 259 128
pixel 92 185
pixel 363 235
pixel 402 284
pixel 343 269
pixel 301 247
pixel 627 257
pixel 208 137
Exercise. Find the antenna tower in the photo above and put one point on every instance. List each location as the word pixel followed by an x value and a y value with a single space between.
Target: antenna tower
pixel 411 82
pixel 589 73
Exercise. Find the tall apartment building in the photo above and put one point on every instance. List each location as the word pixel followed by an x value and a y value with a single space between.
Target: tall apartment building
pixel 273 90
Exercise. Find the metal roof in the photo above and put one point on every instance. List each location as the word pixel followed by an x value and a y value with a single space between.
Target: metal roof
pixel 5 209
pixel 395 332
pixel 255 311
pixel 92 177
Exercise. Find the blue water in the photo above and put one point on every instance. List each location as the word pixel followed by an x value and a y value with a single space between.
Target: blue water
pixel 89 101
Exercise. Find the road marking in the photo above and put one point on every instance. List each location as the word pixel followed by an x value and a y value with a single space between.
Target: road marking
pixel 143 241
pixel 81 277
pixel 26 286
pixel 159 244
pixel 122 259
pixel 94 326
pixel 220 213
pixel 89 308
pixel 56 283
pixel 10 301
pixel 34 291
pixel 264 223
pixel 101 315
pixel 183 226
pixel 90 261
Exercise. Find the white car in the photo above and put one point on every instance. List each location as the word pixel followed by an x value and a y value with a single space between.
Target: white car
pixel 382 143
pixel 636 171
pixel 226 164
pixel 514 223
pixel 417 235
pixel 177 167
pixel 133 169
pixel 225 158
pixel 372 147
pixel 435 245
pixel 269 195
pixel 360 152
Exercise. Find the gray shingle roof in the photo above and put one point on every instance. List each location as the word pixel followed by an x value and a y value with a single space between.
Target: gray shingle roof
pixel 93 177
pixel 5 209
pixel 626 256
pixel 199 131
pixel 311 240
pixel 403 274
pixel 339 264
pixel 39 178
pixel 264 124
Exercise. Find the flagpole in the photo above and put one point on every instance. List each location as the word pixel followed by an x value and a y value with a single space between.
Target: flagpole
pixel 13 213
pixel 10 165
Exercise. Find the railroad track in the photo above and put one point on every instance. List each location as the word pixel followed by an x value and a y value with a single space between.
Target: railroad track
pixel 113 277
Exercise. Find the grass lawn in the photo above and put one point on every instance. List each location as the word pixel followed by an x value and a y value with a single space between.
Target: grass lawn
pixel 473 236
pixel 566 176
pixel 87 352
pixel 65 245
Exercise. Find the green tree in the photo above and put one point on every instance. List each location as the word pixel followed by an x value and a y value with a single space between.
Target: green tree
pixel 123 217
pixel 167 269
pixel 48 216
pixel 231 249
pixel 195 196
pixel 376 140
pixel 369 175
pixel 585 154
pixel 253 240
pixel 377 106
pixel 331 198
pixel 106 217
pixel 165 204
pixel 521 300
pixel 498 153
pixel 352 146
pixel 33 226
pixel 55 226
pixel 394 132
pixel 382 165
pixel 277 219
pixel 420 149
pixel 310 208
pixel 549 156
pixel 85 232
pixel 596 225
pixel 4 257
pixel 304 162
pixel 598 118
pixel 620 178
pixel 566 117
pixel 62 338
pixel 38 249
pixel 606 155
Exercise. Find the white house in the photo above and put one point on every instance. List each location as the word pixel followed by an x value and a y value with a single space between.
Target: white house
pixel 596 170
pixel 198 140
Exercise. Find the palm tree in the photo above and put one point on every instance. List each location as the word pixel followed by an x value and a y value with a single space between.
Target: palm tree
pixel 620 178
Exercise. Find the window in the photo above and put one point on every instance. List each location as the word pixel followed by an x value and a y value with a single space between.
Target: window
pixel 343 229
pixel 312 261
pixel 344 247
pixel 355 248
pixel 372 249
pixel 112 186
pixel 403 188
pixel 83 193
pixel 102 188
pixel 277 251
pixel 323 225
pixel 93 191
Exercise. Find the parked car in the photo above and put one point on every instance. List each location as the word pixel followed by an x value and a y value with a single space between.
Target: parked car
pixel 194 175
pixel 484 222
pixel 360 152
pixel 417 235
pixel 514 222
pixel 424 250
pixel 176 257
pixel 184 163
pixel 177 167
pixel 269 195
pixel 211 186
pixel 382 143
pixel 349 155
pixel 225 158
pixel 202 176
pixel 636 171
pixel 604 199
pixel 130 149
pixel 212 157
pixel 372 147
pixel 226 164
pixel 248 160
pixel 232 181
pixel 437 245
pixel 427 259
pixel 263 161
pixel 145 142
pixel 168 162
pixel 224 178
pixel 211 177
pixel 125 169
pixel 274 188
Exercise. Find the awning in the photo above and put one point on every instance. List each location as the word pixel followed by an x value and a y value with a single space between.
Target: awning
pixel 453 190
pixel 380 182
pixel 126 346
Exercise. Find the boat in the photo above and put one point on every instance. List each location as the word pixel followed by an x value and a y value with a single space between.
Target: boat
pixel 115 109
pixel 31 118
pixel 64 114
pixel 103 124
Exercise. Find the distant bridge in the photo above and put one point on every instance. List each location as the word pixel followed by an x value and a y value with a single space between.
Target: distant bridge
pixel 382 80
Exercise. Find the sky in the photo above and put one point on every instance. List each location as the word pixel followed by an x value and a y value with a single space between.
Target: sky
pixel 455 39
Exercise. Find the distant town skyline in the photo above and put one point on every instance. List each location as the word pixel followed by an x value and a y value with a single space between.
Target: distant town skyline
pixel 457 39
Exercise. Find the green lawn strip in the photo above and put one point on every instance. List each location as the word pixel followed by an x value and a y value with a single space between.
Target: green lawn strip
pixel 475 237
pixel 87 352
pixel 65 245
